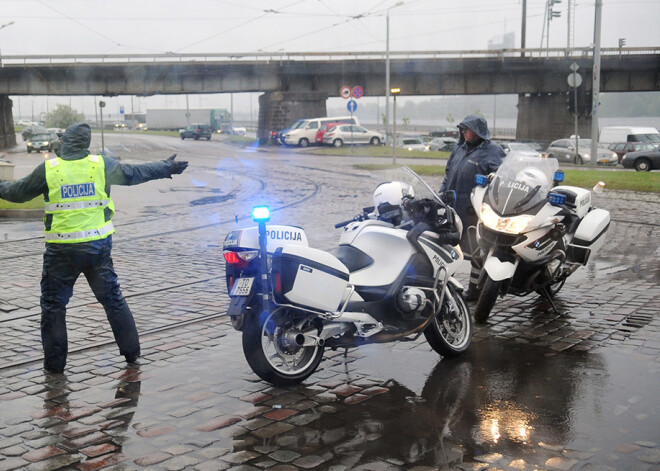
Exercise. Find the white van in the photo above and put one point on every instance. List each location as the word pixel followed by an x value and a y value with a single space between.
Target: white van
pixel 305 132
pixel 612 134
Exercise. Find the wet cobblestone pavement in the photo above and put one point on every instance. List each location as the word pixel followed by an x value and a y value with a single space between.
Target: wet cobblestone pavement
pixel 537 390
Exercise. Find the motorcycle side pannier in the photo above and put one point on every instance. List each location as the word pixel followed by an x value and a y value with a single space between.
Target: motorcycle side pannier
pixel 589 236
pixel 308 277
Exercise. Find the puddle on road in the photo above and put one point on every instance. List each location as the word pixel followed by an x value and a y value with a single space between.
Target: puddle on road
pixel 501 402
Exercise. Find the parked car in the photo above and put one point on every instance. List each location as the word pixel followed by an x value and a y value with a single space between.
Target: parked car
pixel 29 131
pixel 197 131
pixel 305 133
pixel 445 131
pixel 520 148
pixel 443 144
pixel 341 134
pixel 412 143
pixel 622 148
pixel 643 160
pixel 321 132
pixel 564 151
pixel 43 142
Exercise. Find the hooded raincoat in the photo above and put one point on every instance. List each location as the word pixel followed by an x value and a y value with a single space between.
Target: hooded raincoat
pixel 466 161
pixel 63 263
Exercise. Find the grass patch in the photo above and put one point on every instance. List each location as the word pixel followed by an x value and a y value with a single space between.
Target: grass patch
pixel 377 151
pixel 648 182
pixel 37 203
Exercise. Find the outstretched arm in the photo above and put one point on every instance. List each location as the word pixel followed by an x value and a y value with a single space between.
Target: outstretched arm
pixel 133 174
pixel 26 188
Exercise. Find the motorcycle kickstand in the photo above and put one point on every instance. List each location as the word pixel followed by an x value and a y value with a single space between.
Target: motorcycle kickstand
pixel 547 296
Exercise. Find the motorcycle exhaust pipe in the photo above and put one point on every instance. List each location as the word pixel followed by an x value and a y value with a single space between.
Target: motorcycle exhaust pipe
pixel 310 337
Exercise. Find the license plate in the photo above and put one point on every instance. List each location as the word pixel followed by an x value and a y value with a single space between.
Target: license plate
pixel 242 287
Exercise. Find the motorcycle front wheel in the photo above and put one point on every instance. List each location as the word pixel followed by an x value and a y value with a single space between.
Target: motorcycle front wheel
pixel 487 299
pixel 271 351
pixel 450 333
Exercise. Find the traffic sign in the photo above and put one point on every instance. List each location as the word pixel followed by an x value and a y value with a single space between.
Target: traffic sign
pixel 357 92
pixel 351 105
pixel 345 92
pixel 121 110
pixel 574 80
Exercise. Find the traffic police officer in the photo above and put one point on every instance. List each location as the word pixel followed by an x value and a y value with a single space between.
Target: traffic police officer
pixel 78 226
pixel 474 154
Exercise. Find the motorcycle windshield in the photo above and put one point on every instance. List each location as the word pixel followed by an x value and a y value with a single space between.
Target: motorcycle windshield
pixel 406 175
pixel 521 185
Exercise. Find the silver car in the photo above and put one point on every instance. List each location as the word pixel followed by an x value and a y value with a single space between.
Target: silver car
pixel 350 134
pixel 564 151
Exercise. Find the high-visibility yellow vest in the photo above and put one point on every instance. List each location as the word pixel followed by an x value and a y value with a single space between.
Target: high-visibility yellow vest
pixel 77 200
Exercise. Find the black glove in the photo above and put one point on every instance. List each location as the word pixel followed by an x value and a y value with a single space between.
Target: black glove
pixel 179 166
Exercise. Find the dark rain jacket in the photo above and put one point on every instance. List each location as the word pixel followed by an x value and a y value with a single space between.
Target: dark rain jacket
pixel 468 160
pixel 75 145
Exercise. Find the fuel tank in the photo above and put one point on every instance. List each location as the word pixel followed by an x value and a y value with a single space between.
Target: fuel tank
pixel 386 248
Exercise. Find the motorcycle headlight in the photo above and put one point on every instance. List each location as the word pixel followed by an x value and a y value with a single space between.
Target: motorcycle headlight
pixel 511 225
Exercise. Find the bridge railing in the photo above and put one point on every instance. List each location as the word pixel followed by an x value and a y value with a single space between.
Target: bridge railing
pixel 266 57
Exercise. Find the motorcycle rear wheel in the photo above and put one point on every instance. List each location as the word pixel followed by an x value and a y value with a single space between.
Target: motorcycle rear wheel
pixel 272 354
pixel 450 333
pixel 487 299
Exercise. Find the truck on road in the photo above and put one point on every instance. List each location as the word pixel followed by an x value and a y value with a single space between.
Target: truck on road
pixel 176 119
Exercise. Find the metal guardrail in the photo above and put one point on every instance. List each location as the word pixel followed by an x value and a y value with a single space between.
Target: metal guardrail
pixel 267 57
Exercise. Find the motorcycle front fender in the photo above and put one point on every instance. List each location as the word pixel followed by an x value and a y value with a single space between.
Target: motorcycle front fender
pixel 499 270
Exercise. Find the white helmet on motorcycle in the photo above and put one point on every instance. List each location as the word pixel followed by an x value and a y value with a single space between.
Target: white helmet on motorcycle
pixel 533 177
pixel 388 197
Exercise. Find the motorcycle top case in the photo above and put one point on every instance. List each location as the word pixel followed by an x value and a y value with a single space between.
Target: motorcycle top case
pixel 309 277
pixel 276 236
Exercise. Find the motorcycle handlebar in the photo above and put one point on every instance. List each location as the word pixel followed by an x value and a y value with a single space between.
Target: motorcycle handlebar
pixel 345 223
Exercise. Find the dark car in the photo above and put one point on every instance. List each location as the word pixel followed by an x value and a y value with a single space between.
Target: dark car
pixel 197 131
pixel 29 131
pixel 43 142
pixel 445 131
pixel 622 148
pixel 643 160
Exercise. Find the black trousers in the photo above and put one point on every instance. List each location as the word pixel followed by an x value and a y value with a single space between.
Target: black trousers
pixel 63 264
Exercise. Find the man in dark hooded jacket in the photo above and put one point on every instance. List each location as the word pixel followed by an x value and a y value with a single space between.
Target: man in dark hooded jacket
pixel 474 154
pixel 78 226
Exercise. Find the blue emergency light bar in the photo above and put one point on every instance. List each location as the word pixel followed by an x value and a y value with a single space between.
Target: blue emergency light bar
pixel 559 176
pixel 260 214
pixel 481 180
pixel 556 199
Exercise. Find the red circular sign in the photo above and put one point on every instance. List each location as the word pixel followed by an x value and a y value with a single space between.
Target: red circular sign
pixel 357 91
pixel 345 92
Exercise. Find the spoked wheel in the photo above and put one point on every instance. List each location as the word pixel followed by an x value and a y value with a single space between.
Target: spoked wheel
pixel 270 348
pixel 450 333
pixel 487 299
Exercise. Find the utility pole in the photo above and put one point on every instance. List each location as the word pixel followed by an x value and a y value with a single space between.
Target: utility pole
pixel 523 32
pixel 595 88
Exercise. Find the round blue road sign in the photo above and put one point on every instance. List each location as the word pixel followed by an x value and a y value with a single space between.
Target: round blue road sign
pixel 351 105
pixel 357 91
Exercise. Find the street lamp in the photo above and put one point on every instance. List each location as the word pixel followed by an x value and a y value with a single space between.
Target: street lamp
pixel 387 69
pixel 1 27
pixel 102 105
pixel 394 92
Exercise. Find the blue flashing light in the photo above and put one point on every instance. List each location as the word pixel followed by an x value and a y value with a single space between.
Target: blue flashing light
pixel 556 199
pixel 481 180
pixel 261 214
pixel 559 176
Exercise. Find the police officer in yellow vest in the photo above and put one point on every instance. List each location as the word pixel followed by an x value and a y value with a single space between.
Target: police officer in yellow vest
pixel 78 224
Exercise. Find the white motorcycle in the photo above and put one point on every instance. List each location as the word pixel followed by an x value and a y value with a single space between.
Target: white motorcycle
pixel 390 280
pixel 532 232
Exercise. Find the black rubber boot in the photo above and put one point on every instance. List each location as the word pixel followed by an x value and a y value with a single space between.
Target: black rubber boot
pixel 472 293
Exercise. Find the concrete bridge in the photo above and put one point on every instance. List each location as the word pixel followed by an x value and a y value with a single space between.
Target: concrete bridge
pixel 298 84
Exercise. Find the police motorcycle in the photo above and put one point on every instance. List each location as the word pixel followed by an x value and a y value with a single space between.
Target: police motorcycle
pixel 389 280
pixel 533 233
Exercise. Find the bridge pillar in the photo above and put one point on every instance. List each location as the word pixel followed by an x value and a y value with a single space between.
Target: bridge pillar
pixel 277 110
pixel 7 133
pixel 545 117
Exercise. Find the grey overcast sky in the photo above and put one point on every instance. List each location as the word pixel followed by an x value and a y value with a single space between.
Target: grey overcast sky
pixel 229 26
pixel 219 26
